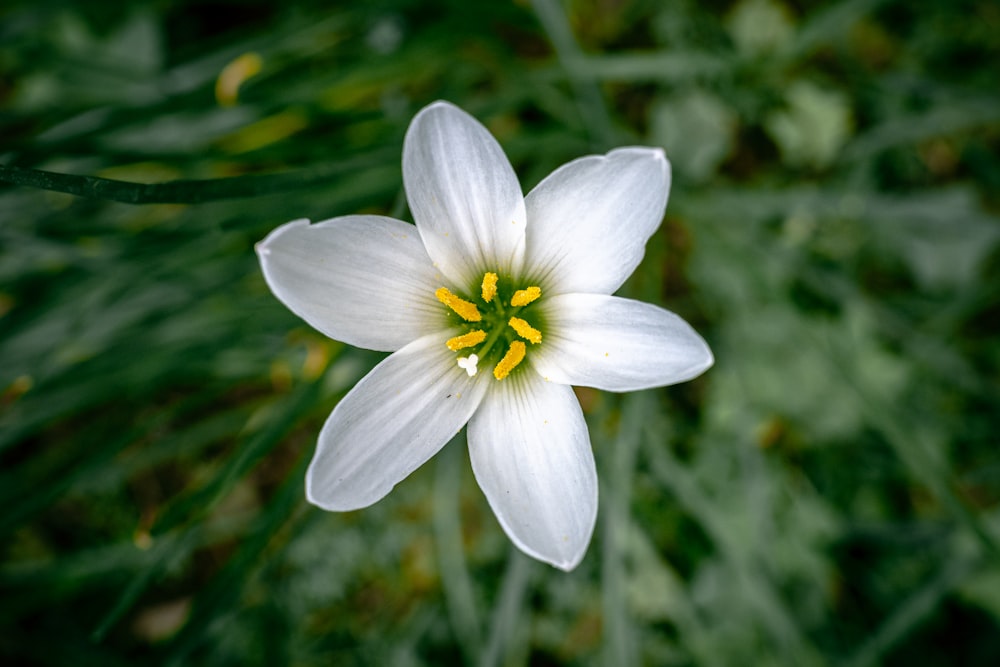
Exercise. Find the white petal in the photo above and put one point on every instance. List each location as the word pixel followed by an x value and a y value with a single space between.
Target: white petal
pixel 362 279
pixel 617 344
pixel 531 455
pixel 589 220
pixel 464 195
pixel 396 418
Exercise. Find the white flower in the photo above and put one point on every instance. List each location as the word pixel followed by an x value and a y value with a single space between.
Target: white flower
pixel 493 305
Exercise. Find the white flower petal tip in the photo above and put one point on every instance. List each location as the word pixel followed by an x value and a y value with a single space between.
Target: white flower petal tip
pixel 652 153
pixel 263 247
pixel 707 359
pixel 531 454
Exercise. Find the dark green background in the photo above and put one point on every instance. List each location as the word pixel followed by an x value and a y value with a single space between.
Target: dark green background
pixel 828 493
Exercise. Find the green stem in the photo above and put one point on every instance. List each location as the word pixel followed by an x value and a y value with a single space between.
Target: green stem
pixel 184 191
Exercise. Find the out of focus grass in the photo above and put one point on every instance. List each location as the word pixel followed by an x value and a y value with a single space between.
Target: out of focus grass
pixel 827 494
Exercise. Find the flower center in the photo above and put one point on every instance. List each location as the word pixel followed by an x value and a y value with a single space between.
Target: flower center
pixel 494 325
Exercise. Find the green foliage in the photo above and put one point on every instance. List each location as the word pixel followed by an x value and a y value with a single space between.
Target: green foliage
pixel 827 493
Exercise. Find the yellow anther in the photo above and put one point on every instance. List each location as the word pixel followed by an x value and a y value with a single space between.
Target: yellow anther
pixel 489 287
pixel 525 330
pixel 467 311
pixel 523 297
pixel 466 340
pixel 510 360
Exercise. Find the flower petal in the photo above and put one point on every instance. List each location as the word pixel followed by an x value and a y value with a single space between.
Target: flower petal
pixel 464 195
pixel 531 455
pixel 362 279
pixel 589 220
pixel 617 344
pixel 396 418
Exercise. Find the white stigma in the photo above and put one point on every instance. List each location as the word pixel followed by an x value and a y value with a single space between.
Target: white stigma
pixel 469 364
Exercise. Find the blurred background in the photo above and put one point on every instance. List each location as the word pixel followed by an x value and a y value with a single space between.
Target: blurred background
pixel 828 493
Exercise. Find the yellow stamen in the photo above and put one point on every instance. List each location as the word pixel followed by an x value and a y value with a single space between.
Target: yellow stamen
pixel 466 340
pixel 525 330
pixel 466 310
pixel 489 287
pixel 523 297
pixel 510 360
